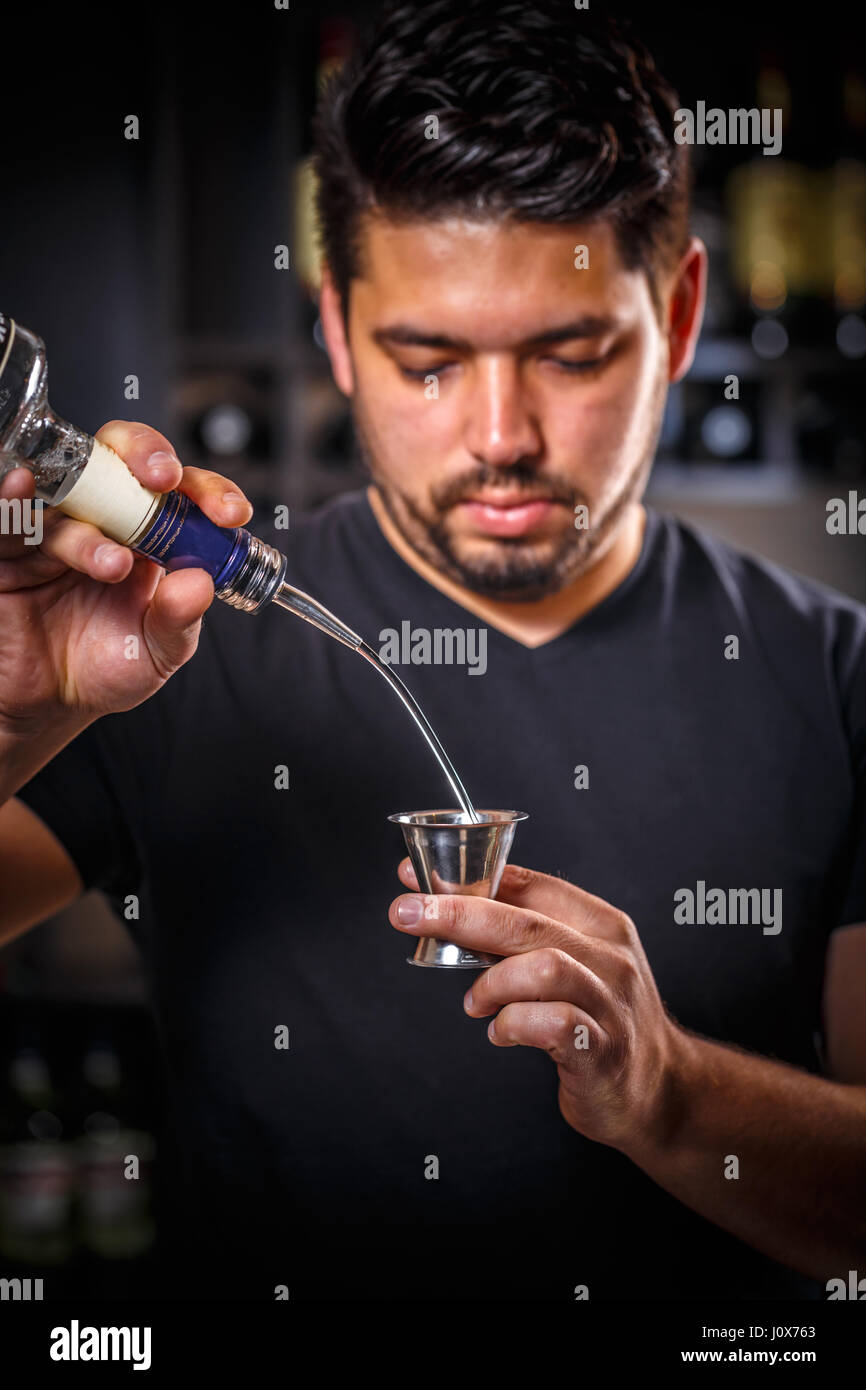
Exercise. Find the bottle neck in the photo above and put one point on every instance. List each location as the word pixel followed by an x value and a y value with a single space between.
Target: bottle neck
pixel 61 453
pixel 246 572
pixel 256 580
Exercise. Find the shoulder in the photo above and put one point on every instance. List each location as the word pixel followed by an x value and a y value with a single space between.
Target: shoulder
pixel 775 607
pixel 692 554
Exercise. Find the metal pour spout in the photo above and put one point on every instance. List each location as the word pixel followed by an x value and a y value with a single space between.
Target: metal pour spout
pixel 308 608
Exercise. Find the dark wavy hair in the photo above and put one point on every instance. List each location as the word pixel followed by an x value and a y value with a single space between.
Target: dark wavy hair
pixel 546 114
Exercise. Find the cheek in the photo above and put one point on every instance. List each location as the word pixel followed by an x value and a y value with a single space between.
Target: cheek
pixel 604 423
pixel 402 415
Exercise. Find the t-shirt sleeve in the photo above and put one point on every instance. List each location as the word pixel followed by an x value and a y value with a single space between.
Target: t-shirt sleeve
pixel 854 685
pixel 74 794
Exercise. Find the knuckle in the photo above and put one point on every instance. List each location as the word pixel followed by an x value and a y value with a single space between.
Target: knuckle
pixel 218 483
pixel 453 908
pixel 626 928
pixel 432 908
pixel 615 1048
pixel 526 927
pixel 519 879
pixel 208 484
pixel 628 968
pixel 56 534
pixel 193 483
pixel 117 432
pixel 135 442
pixel 557 1030
pixel 74 542
pixel 87 544
pixel 57 525
pixel 482 990
pixel 551 966
pixel 624 979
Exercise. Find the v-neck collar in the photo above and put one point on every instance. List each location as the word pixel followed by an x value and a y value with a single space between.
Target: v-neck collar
pixel 507 646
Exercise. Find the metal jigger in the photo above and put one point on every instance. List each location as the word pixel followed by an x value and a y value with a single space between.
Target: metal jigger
pixel 450 854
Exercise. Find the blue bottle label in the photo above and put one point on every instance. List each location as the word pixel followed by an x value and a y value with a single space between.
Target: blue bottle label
pixel 182 537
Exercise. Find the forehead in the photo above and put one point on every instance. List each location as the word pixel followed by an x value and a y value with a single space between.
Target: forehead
pixel 510 276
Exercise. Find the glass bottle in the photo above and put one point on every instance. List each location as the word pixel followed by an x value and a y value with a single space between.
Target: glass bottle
pixel 87 480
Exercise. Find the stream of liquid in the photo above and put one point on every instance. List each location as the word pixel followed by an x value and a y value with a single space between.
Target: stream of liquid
pixel 304 606
pixel 426 728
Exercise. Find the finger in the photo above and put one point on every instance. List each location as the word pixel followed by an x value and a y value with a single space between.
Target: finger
pixel 483 924
pixel 15 479
pixel 153 460
pixel 83 547
pixel 146 453
pixel 546 975
pixel 16 489
pixel 560 1029
pixel 219 498
pixel 172 622
pixel 406 874
pixel 564 901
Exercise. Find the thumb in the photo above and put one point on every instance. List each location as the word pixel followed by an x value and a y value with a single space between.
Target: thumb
pixel 172 622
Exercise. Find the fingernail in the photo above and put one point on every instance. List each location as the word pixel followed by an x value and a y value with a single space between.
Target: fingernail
pixel 233 499
pixel 107 554
pixel 161 460
pixel 490 1027
pixel 409 911
pixel 468 1001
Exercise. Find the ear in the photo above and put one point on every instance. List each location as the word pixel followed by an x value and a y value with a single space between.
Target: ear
pixel 686 308
pixel 334 329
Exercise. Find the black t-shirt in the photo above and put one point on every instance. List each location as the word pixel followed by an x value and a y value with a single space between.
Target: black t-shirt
pixel 264 905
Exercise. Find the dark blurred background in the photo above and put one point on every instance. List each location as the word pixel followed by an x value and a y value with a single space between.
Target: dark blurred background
pixel 154 259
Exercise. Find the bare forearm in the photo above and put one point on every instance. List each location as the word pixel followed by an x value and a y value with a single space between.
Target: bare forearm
pixel 774 1155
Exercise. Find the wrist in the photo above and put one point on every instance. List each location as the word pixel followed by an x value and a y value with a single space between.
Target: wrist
pixel 19 731
pixel 681 1080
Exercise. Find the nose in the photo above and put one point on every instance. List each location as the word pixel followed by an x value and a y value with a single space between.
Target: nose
pixel 501 425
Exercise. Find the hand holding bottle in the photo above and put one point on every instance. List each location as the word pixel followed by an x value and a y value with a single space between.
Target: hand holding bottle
pixel 69 606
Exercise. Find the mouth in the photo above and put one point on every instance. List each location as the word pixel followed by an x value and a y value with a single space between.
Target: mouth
pixel 508 515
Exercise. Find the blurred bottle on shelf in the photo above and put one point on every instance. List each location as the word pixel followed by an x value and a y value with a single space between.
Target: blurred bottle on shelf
pixel 719 430
pixel 37 1167
pixel 781 238
pixel 225 420
pixel 114 1159
pixel 829 408
pixel 848 218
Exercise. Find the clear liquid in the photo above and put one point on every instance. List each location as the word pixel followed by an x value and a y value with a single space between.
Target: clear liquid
pixel 426 728
pixel 305 606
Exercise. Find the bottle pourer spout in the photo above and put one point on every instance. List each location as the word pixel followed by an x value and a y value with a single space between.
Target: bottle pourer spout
pixel 303 606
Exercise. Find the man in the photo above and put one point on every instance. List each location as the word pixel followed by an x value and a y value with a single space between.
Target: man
pixel 667 1094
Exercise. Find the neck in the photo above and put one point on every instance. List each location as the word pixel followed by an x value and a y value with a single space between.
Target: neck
pixel 543 619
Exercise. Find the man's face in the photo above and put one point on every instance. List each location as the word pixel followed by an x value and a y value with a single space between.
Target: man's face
pixel 496 387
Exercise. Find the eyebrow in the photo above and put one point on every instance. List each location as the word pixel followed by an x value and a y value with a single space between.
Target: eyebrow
pixel 408 335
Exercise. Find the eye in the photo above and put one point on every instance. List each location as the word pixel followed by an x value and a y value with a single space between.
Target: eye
pixel 575 367
pixel 421 373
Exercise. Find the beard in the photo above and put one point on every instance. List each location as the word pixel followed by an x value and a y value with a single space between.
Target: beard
pixel 512 569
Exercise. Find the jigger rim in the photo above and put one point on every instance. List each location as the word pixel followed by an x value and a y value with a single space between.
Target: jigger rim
pixel 454 818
